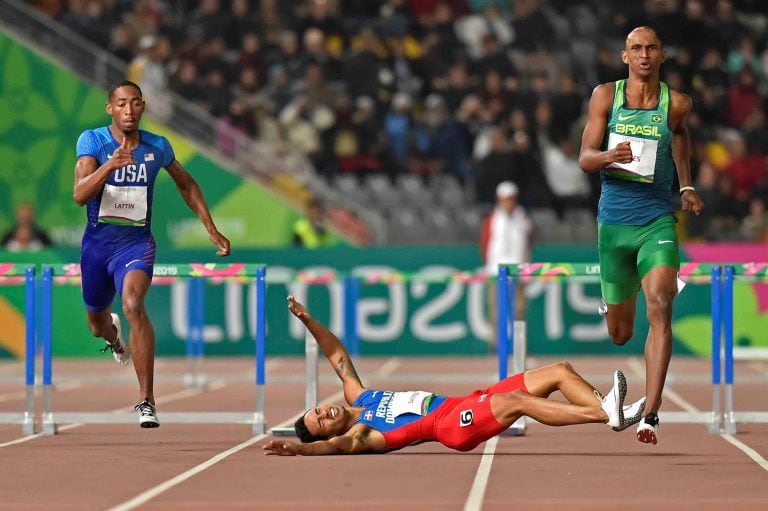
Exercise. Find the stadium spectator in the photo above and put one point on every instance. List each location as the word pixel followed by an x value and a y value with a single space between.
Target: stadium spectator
pixel 25 234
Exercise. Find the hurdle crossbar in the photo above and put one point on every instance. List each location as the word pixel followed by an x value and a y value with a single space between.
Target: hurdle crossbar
pixel 15 274
pixel 163 274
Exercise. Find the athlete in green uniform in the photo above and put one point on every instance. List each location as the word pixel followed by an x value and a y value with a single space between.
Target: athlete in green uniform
pixel 636 137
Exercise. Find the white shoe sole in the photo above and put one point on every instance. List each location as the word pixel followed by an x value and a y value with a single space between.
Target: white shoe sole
pixel 613 402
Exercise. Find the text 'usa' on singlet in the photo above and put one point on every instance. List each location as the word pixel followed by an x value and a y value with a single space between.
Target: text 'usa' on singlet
pixel 638 192
pixel 122 211
pixel 390 412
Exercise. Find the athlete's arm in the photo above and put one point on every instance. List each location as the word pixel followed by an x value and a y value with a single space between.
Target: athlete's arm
pixel 192 194
pixel 680 107
pixel 333 350
pixel 358 440
pixel 591 158
pixel 90 178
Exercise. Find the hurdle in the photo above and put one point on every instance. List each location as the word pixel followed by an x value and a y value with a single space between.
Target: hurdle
pixel 505 309
pixel 14 274
pixel 589 272
pixel 745 272
pixel 163 274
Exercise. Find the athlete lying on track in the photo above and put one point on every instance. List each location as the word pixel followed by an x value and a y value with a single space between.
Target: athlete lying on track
pixel 380 421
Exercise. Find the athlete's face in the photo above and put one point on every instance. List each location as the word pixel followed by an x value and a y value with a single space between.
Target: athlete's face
pixel 126 108
pixel 326 420
pixel 643 52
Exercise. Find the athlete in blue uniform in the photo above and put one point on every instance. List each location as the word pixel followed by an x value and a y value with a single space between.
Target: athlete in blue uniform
pixel 636 137
pixel 115 176
pixel 382 421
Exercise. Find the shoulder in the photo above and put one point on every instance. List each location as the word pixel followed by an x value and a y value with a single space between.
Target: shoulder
pixel 154 139
pixel 604 91
pixel 602 98
pixel 679 103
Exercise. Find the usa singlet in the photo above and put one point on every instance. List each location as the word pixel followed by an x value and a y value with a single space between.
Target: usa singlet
pixel 122 211
pixel 638 192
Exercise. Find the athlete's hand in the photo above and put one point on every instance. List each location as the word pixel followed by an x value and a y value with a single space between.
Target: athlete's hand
pixel 297 309
pixel 622 153
pixel 692 202
pixel 220 241
pixel 280 448
pixel 122 156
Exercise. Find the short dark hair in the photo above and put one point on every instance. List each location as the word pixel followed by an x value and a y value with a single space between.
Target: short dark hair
pixel 124 83
pixel 303 433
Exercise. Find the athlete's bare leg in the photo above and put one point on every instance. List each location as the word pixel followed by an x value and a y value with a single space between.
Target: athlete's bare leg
pixel 545 380
pixel 100 324
pixel 620 320
pixel 584 404
pixel 142 342
pixel 660 288
pixel 507 408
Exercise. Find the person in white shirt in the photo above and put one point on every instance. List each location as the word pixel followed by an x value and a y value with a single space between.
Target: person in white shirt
pixel 506 238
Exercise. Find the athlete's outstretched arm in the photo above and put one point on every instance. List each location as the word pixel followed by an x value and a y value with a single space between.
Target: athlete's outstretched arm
pixel 591 158
pixel 680 107
pixel 333 350
pixel 357 440
pixel 193 196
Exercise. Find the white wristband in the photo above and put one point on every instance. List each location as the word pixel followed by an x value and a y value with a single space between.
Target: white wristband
pixel 686 188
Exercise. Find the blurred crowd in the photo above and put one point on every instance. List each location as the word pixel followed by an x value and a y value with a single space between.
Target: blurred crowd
pixel 481 90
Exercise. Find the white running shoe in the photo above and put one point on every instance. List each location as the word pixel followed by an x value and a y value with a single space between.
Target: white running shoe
pixel 147 415
pixel 603 308
pixel 632 414
pixel 648 433
pixel 119 350
pixel 613 402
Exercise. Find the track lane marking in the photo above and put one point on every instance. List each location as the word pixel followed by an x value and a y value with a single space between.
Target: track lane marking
pixel 638 368
pixel 143 498
pixel 477 492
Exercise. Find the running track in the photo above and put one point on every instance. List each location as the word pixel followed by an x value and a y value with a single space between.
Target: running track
pixel 121 467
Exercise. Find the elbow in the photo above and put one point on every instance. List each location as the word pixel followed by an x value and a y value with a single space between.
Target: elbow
pixel 81 201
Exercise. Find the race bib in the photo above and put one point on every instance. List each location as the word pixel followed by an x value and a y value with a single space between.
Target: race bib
pixel 643 164
pixel 409 402
pixel 123 205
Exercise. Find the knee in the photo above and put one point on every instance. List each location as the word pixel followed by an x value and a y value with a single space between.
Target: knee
pixel 659 306
pixel 565 369
pixel 620 334
pixel 132 307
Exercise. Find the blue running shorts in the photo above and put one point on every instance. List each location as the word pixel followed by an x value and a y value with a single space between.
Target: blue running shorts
pixel 104 266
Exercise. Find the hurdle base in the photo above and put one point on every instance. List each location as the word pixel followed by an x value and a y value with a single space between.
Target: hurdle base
pixel 283 432
pixel 26 420
pixel 50 425
pixel 518 428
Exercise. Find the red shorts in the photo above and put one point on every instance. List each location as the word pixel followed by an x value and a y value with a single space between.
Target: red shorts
pixel 463 423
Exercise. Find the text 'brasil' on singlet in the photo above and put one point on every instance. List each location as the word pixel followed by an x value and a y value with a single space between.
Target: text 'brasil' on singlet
pixel 638 192
pixel 122 211
pixel 387 411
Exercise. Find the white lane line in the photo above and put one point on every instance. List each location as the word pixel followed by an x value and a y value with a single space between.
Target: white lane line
pixel 747 450
pixel 477 493
pixel 690 408
pixel 175 396
pixel 148 495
